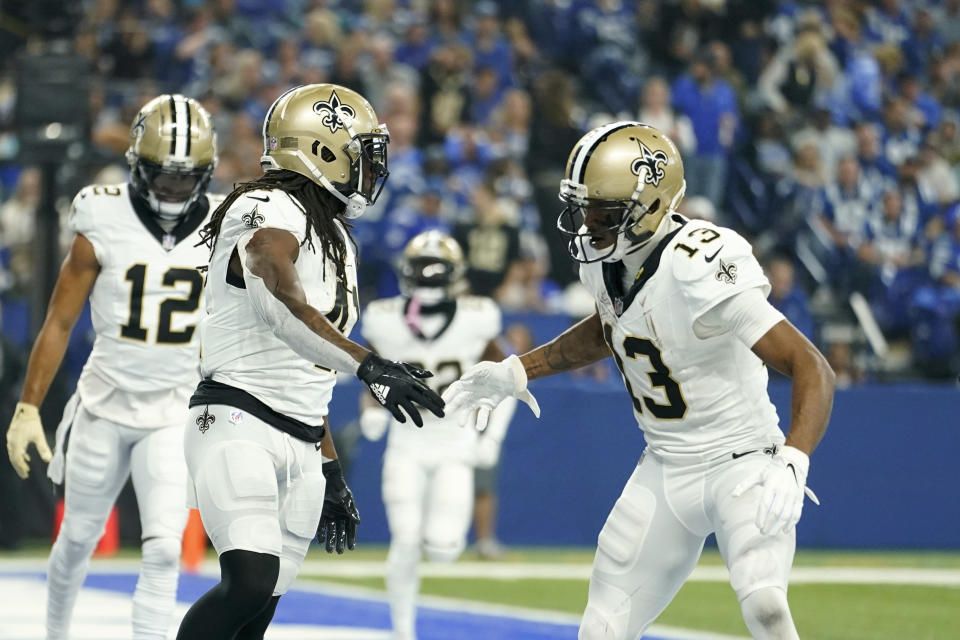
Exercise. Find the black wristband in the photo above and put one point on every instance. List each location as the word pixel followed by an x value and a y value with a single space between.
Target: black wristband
pixel 334 475
pixel 371 368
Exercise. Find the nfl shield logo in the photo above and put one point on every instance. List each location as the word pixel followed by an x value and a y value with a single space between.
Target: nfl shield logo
pixel 618 306
pixel 236 417
pixel 169 242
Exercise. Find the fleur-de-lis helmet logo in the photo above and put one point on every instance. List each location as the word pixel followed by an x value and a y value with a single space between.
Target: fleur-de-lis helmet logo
pixel 653 161
pixel 139 127
pixel 331 112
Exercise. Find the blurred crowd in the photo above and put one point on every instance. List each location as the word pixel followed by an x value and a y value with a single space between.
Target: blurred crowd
pixel 826 133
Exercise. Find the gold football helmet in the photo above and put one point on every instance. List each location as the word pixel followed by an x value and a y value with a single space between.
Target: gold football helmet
pixel 627 175
pixel 433 262
pixel 172 154
pixel 331 135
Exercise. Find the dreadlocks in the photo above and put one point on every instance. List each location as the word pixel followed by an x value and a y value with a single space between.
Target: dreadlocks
pixel 319 207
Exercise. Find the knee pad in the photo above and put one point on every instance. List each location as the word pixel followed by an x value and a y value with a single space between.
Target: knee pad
pixel 403 554
pixel 161 552
pixel 767 610
pixel 444 553
pixel 623 534
pixel 596 626
pixel 82 529
pixel 288 573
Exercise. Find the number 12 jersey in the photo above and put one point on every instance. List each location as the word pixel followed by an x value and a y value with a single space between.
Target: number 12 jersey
pixel 145 306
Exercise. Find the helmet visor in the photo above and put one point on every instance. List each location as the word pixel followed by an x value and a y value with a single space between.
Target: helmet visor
pixel 171 184
pixel 370 164
pixel 428 272
pixel 592 228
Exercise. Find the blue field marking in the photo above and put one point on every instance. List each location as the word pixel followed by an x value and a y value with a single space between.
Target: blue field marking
pixel 300 606
pixel 321 608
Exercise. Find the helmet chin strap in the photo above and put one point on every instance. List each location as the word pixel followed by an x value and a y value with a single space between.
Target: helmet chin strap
pixel 356 204
pixel 429 296
pixel 169 211
pixel 640 243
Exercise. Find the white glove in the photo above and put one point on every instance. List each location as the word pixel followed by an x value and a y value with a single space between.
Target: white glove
pixel 374 422
pixel 782 482
pixel 487 452
pixel 25 428
pixel 484 386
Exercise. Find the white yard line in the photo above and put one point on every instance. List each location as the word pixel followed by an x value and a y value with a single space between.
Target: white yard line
pixel 567 571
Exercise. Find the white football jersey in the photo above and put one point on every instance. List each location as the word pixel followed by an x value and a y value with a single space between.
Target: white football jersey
pixel 458 346
pixel 145 307
pixel 237 347
pixel 692 397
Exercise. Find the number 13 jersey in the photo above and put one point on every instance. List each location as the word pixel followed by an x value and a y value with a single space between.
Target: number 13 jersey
pixel 694 398
pixel 145 306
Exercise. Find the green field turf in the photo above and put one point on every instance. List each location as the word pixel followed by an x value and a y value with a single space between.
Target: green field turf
pixel 822 611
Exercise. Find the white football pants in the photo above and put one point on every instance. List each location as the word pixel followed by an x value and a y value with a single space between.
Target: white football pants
pixel 429 507
pixel 655 533
pixel 100 456
pixel 257 488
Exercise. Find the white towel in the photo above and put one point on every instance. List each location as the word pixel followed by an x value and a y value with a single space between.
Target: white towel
pixel 56 468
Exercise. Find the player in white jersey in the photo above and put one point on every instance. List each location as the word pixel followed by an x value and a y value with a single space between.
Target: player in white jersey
pixel 135 256
pixel 280 301
pixel 428 473
pixel 682 306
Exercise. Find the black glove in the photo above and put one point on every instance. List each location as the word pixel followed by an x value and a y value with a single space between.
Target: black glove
pixel 339 518
pixel 396 385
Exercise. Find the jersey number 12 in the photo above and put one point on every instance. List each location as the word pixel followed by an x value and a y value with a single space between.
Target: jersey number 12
pixel 134 329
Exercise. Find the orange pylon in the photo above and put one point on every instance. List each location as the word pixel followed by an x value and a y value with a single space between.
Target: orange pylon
pixel 194 542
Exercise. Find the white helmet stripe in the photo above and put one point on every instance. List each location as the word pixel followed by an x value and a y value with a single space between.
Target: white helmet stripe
pixel 181 121
pixel 586 150
pixel 266 120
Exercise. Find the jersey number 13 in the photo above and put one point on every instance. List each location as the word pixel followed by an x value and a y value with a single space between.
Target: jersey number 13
pixel 634 347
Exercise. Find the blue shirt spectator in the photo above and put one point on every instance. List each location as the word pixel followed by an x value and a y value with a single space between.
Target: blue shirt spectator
pixel 711 105
pixel 925 41
pixel 490 48
pixel 416 47
pixel 788 298
pixel 874 167
pixel 848 201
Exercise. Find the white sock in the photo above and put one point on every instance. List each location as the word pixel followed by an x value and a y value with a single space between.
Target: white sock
pixel 403 583
pixel 156 594
pixel 66 570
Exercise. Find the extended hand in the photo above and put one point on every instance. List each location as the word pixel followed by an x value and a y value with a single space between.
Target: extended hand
pixel 339 518
pixel 783 482
pixel 26 429
pixel 397 385
pixel 484 386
